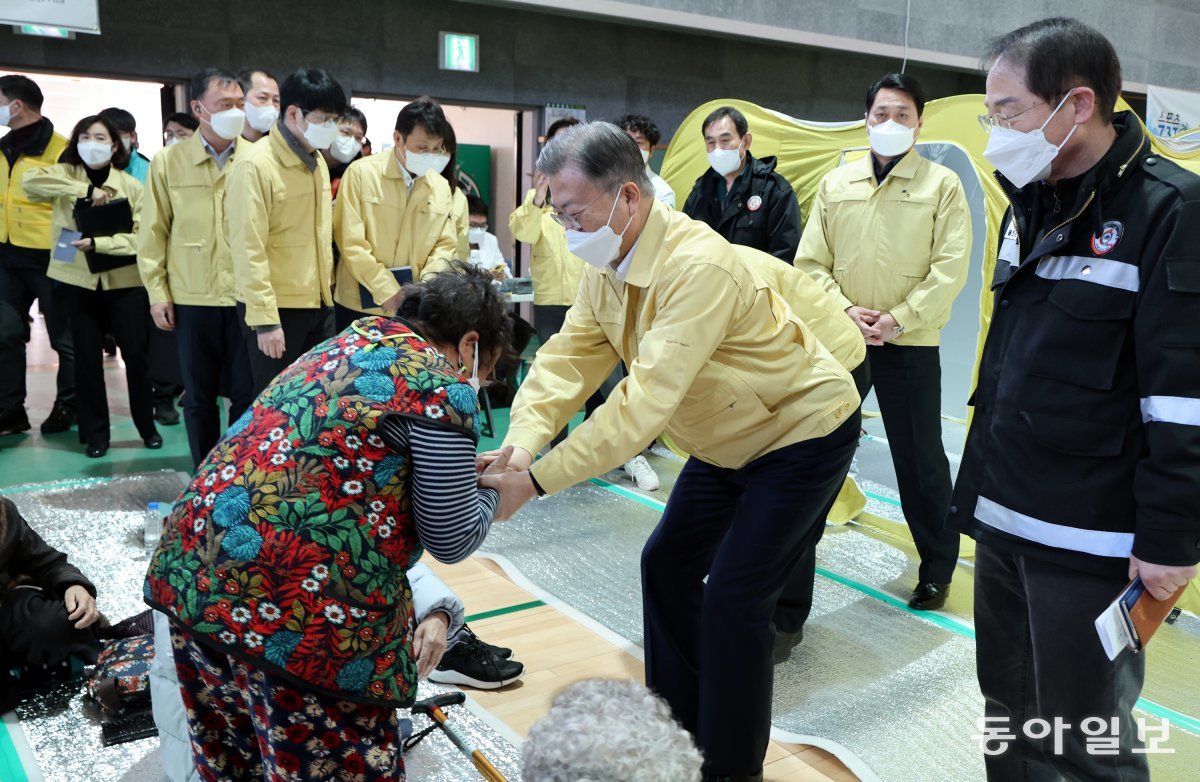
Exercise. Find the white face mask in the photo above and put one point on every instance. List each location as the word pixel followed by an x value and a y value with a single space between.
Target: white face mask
pixel 645 155
pixel 95 154
pixel 345 148
pixel 261 118
pixel 321 136
pixel 421 163
pixel 6 114
pixel 599 248
pixel 891 139
pixel 172 141
pixel 725 161
pixel 227 124
pixel 475 235
pixel 1024 157
pixel 127 143
pixel 473 380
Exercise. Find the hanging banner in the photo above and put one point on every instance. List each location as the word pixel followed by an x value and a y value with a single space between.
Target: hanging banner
pixel 82 16
pixel 1170 112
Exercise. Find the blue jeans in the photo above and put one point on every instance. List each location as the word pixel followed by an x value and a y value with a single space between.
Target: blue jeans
pixel 709 644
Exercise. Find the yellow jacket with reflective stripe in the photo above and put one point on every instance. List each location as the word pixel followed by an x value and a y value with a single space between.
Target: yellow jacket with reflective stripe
pixel 716 359
pixel 379 225
pixel 556 273
pixel 25 222
pixel 819 311
pixel 462 225
pixel 183 252
pixel 278 216
pixel 902 246
pixel 62 184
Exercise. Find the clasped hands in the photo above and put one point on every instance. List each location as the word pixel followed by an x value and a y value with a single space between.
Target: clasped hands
pixel 507 471
pixel 877 326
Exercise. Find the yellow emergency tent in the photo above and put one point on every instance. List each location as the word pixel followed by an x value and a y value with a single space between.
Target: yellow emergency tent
pixel 807 150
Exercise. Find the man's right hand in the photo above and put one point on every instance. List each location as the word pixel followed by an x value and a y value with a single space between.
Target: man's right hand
pixel 100 196
pixel 541 185
pixel 164 315
pixel 393 302
pixel 865 320
pixel 271 343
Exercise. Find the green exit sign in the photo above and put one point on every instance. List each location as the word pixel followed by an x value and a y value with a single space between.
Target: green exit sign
pixel 459 52
pixel 42 31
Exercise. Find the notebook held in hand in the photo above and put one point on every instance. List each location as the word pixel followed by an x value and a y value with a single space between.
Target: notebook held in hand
pixel 403 275
pixel 115 217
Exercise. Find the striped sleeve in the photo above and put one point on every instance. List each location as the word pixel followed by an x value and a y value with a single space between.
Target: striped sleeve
pixel 452 513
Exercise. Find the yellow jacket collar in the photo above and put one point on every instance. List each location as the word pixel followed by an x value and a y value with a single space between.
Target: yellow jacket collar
pixel 283 150
pixel 864 168
pixel 643 267
pixel 197 154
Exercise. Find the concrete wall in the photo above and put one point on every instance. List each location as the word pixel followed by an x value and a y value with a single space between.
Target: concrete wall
pixel 1156 39
pixel 528 58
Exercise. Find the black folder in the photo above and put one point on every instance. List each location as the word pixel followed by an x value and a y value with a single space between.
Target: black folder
pixel 403 275
pixel 115 217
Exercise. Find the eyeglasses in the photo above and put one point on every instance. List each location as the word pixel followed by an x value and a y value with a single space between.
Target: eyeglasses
pixel 989 121
pixel 571 222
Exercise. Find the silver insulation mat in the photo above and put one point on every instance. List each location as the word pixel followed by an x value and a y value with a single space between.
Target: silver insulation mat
pixel 99 524
pixel 897 691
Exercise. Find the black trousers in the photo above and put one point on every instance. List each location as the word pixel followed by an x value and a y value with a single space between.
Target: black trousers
pixel 1038 657
pixel 908 384
pixel 166 379
pixel 708 644
pixel 344 316
pixel 124 313
pixel 303 329
pixel 211 347
pixel 20 285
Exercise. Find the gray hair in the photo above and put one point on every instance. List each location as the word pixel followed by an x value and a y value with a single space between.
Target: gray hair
pixel 609 730
pixel 602 152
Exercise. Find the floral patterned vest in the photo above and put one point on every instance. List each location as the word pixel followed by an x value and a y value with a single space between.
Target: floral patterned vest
pixel 289 548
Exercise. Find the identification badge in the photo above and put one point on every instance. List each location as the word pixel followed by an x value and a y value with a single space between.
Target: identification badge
pixel 754 204
pixel 1009 248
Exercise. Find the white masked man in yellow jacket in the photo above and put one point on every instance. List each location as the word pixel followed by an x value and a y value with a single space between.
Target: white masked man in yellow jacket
pixel 279 212
pixel 393 217
pixel 184 259
pixel 719 361
pixel 889 237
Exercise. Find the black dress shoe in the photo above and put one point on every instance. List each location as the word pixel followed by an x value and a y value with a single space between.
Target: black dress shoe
pixel 165 413
pixel 929 596
pixel 785 643
pixel 154 441
pixel 96 450
pixel 61 418
pixel 14 420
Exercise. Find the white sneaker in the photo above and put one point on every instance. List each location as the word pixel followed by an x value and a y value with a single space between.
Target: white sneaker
pixel 641 473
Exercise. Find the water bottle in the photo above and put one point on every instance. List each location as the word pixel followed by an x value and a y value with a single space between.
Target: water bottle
pixel 155 512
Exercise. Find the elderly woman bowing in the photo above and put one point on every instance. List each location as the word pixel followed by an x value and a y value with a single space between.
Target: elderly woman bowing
pixel 283 565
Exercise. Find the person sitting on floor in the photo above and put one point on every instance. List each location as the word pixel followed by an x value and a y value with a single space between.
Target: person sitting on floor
pixel 47 606
pixel 609 730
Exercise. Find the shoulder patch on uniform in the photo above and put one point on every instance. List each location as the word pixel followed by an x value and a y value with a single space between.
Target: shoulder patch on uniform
pixel 1108 238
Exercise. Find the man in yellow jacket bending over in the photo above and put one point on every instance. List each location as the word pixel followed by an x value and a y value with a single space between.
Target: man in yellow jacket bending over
pixel 719 361
pixel 392 220
pixel 889 237
pixel 279 214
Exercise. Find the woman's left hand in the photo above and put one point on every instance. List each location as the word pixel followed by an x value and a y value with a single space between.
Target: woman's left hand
pixel 429 643
pixel 84 245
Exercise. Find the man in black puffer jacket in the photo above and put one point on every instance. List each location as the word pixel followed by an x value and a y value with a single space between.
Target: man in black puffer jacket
pixel 740 196
pixel 1082 465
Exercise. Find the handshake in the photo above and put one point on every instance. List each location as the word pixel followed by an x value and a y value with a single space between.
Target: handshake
pixel 506 471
